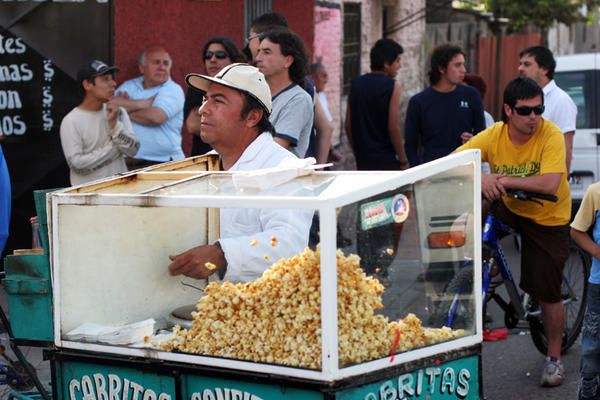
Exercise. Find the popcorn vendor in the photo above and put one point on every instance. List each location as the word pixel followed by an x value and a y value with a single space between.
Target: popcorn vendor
pixel 234 121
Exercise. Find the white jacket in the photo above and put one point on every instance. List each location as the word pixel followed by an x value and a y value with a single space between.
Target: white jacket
pixel 241 226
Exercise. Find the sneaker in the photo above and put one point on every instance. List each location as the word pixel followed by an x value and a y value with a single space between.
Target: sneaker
pixel 554 373
pixel 589 389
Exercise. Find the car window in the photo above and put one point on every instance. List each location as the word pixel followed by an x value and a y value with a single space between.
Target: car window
pixel 580 85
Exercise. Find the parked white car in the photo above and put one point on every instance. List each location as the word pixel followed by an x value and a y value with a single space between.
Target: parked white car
pixel 579 76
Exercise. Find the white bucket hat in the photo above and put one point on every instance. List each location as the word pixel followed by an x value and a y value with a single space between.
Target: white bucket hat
pixel 239 76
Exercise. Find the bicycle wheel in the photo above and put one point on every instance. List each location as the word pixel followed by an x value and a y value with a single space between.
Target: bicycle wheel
pixel 575 280
pixel 462 313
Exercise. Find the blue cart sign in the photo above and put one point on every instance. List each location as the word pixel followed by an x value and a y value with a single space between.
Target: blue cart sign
pixel 91 381
pixel 457 379
pixel 203 388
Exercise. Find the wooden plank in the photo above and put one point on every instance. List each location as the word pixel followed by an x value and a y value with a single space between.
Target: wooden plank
pixel 18 252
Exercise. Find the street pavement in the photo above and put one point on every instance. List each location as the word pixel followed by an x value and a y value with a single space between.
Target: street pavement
pixel 512 368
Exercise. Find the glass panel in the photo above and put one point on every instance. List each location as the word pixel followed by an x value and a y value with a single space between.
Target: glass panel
pixel 579 85
pixel 308 186
pixel 412 242
pixel 268 317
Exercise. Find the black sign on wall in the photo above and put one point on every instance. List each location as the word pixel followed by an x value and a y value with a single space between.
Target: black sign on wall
pixel 42 45
pixel 35 94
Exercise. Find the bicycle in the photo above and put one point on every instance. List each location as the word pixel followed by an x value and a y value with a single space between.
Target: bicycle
pixel 455 310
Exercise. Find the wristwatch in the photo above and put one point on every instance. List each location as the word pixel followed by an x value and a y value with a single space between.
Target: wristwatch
pixel 223 270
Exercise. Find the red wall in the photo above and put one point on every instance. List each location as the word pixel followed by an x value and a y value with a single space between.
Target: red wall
pixel 510 48
pixel 300 16
pixel 183 26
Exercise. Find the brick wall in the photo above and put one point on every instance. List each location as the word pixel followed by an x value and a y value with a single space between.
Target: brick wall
pixel 328 50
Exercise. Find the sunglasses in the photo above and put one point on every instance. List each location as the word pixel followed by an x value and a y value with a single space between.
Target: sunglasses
pixel 220 54
pixel 251 38
pixel 526 110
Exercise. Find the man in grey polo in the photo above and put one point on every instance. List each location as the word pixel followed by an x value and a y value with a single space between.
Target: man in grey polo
pixel 282 59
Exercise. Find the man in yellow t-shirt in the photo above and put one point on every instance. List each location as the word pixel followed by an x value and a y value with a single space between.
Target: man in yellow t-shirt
pixel 527 152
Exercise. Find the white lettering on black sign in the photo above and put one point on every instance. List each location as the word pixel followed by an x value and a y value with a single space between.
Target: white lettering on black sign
pixel 12 45
pixel 47 98
pixel 15 73
pixel 11 99
pixel 11 104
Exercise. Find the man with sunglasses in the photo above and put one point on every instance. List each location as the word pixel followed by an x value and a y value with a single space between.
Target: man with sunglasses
pixel 217 53
pixel 526 151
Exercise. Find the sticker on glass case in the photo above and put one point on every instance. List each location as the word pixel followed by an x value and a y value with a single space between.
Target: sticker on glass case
pixel 400 208
pixel 376 213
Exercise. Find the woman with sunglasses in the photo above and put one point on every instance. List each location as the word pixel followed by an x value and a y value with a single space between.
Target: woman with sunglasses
pixel 217 53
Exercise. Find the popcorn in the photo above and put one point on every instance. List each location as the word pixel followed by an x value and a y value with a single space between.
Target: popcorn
pixel 274 241
pixel 210 266
pixel 277 318
pixel 254 243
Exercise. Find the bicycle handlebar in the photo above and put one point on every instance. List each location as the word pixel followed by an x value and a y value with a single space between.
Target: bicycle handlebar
pixel 527 195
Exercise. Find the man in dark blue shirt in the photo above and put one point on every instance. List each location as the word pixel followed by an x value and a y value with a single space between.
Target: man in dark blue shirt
pixel 373 112
pixel 445 115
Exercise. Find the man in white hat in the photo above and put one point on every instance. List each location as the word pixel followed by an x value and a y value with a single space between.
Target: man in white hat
pixel 235 122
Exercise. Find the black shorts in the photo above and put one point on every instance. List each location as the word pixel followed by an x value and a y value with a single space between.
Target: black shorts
pixel 544 251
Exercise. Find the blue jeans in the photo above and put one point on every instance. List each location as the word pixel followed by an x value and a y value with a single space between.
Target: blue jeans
pixel 590 346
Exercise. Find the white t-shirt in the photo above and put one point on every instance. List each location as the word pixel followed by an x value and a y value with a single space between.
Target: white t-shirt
pixel 325 105
pixel 560 108
pixel 92 149
pixel 489 120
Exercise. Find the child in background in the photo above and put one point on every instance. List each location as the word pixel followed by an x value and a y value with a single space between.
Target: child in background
pixel 587 216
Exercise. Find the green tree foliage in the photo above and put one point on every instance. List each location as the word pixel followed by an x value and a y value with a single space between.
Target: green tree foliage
pixel 542 13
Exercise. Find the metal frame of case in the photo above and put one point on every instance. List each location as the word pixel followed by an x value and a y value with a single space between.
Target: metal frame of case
pixel 325 203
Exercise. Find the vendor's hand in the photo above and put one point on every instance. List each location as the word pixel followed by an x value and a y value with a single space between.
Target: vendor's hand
pixel 491 187
pixel 198 262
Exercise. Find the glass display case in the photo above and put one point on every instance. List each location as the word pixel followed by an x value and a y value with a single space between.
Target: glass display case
pixel 329 275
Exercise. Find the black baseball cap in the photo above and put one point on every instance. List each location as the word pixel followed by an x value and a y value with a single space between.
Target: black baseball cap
pixel 93 69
